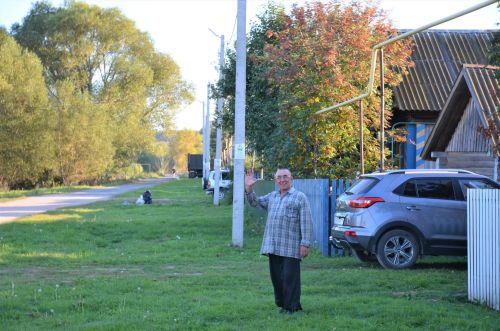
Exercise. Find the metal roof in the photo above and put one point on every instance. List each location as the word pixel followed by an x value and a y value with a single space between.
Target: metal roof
pixel 439 56
pixel 484 89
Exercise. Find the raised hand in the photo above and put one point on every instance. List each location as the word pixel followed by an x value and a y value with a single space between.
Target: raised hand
pixel 249 181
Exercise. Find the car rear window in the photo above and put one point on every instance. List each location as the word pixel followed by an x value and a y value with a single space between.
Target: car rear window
pixel 433 188
pixel 362 185
pixel 437 189
pixel 410 189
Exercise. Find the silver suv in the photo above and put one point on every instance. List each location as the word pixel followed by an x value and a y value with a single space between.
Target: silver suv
pixel 396 216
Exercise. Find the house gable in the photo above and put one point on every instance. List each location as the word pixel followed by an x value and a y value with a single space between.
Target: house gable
pixel 472 105
pixel 467 137
pixel 457 140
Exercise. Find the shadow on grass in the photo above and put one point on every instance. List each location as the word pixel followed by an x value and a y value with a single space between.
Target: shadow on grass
pixel 428 263
pixel 452 265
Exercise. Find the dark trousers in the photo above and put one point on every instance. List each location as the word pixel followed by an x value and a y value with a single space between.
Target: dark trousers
pixel 285 276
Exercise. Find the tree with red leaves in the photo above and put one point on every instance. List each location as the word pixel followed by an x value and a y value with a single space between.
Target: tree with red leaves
pixel 317 56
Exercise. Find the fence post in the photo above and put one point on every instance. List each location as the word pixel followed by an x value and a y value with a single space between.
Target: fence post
pixel 333 198
pixel 483 240
pixel 330 217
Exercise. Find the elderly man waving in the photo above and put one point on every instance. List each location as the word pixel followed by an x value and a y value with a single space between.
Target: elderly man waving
pixel 287 236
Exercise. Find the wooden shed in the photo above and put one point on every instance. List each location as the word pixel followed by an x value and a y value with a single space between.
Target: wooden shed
pixel 467 132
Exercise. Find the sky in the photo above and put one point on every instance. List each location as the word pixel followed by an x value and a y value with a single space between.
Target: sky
pixel 181 29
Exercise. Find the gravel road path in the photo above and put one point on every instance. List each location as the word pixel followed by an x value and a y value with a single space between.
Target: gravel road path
pixel 11 210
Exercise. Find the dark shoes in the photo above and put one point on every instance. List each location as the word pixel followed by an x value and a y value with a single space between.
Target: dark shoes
pixel 294 312
pixel 289 312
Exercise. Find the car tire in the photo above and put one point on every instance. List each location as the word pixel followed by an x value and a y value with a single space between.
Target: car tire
pixel 221 195
pixel 397 249
pixel 364 256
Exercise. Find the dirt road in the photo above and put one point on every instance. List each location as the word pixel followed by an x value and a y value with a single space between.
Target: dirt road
pixel 11 210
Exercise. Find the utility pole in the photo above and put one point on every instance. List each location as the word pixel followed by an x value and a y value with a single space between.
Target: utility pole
pixel 206 140
pixel 218 143
pixel 204 132
pixel 382 106
pixel 361 140
pixel 209 132
pixel 239 126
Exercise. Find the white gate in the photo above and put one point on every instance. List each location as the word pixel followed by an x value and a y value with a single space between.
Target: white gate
pixel 483 241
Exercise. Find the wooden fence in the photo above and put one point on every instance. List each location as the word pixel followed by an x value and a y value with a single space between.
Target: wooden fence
pixel 483 246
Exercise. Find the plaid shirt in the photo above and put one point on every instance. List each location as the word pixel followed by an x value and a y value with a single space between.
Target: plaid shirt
pixel 289 222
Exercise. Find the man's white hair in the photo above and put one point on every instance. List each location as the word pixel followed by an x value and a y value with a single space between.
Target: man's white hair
pixel 286 169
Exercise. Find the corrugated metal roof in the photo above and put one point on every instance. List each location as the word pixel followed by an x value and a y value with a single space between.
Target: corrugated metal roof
pixel 439 56
pixel 485 90
pixel 479 83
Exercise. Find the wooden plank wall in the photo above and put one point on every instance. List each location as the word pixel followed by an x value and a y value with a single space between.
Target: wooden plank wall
pixel 466 137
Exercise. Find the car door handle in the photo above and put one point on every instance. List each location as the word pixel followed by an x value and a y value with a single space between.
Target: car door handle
pixel 412 208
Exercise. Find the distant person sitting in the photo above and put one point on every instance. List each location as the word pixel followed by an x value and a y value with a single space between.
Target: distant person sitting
pixel 148 199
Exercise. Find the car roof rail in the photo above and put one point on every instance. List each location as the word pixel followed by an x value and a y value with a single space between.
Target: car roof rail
pixel 430 171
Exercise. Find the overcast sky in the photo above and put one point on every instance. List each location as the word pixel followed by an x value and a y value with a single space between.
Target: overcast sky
pixel 180 28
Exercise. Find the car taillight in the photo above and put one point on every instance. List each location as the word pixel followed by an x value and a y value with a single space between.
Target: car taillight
pixel 363 202
pixel 208 184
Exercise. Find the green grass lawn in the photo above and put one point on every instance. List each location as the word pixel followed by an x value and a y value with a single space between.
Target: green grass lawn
pixel 170 266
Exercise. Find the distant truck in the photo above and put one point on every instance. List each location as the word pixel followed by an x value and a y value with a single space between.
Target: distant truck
pixel 195 165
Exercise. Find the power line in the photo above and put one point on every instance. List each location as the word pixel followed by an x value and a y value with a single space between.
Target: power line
pixel 232 32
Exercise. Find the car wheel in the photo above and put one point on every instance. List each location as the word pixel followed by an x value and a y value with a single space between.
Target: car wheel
pixel 397 249
pixel 221 195
pixel 364 256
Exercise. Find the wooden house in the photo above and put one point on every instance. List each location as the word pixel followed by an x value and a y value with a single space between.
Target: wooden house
pixel 439 56
pixel 467 132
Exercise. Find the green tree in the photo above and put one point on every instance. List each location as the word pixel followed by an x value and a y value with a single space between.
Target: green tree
pixel 262 96
pixel 182 143
pixel 104 55
pixel 25 118
pixel 158 158
pixel 315 57
pixel 83 145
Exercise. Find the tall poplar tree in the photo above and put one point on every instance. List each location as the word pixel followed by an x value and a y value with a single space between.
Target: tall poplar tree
pixel 108 60
pixel 82 139
pixel 25 118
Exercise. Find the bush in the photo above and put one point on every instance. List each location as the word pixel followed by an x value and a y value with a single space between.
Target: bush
pixel 132 171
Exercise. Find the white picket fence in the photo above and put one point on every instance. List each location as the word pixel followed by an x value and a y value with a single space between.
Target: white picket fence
pixel 483 240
